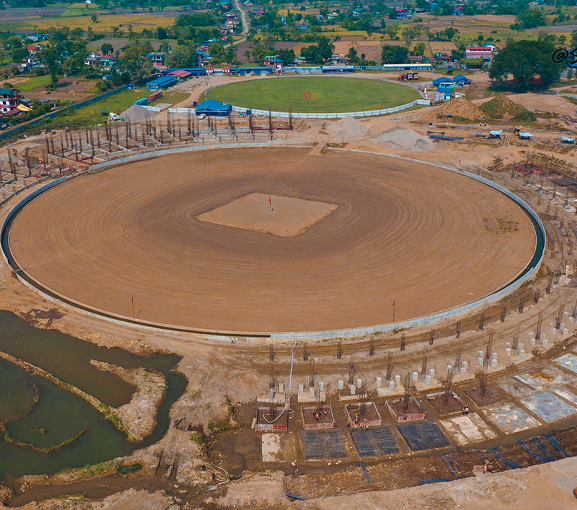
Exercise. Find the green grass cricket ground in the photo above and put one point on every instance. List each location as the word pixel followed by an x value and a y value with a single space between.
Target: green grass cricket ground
pixel 314 94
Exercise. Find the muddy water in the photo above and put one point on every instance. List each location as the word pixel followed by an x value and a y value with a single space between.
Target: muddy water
pixel 39 415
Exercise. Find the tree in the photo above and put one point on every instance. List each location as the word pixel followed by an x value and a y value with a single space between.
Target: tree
pixel 94 18
pixel 420 49
pixel 182 56
pixel 574 38
pixel 107 48
pixel 394 54
pixel 529 62
pixel 530 18
pixel 287 56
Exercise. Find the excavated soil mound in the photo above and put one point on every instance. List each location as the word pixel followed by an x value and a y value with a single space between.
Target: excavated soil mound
pixel 501 106
pixel 460 107
pixel 399 138
pixel 348 129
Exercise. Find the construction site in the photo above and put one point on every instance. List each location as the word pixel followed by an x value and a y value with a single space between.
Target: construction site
pixel 373 348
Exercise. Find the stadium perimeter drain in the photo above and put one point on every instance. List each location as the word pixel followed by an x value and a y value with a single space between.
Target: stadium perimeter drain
pixel 424 435
pixel 327 444
pixel 374 441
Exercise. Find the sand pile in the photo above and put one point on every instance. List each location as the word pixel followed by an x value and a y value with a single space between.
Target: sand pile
pixel 137 113
pixel 400 138
pixel 460 107
pixel 347 130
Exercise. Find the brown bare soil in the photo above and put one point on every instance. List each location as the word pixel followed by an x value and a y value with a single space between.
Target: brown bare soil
pixel 402 231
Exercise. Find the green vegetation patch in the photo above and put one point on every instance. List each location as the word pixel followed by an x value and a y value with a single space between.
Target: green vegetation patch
pixel 130 468
pixel 314 94
pixel 33 83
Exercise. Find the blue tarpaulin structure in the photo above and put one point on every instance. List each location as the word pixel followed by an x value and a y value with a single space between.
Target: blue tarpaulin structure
pixel 566 139
pixel 443 80
pixel 462 80
pixel 525 136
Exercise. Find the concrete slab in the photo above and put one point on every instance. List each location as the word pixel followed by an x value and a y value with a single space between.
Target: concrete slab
pixel 468 428
pixel 510 418
pixel 566 394
pixel 521 385
pixel 278 447
pixel 548 406
pixel 270 447
pixel 568 361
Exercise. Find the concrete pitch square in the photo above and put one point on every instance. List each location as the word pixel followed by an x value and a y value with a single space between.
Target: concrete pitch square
pixel 468 428
pixel 424 435
pixel 270 214
pixel 510 418
pixel 568 361
pixel 327 444
pixel 548 406
pixel 374 441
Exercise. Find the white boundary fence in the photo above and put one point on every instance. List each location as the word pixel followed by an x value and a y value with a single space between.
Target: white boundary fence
pixel 364 113
pixel 181 110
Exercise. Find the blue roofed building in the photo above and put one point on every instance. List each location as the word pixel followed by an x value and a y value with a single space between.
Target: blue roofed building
pixel 161 83
pixel 443 80
pixel 213 108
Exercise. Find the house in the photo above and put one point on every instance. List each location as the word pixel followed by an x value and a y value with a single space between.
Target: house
pixel 304 26
pixel 442 57
pixel 158 59
pixel 338 59
pixel 484 52
pixel 213 108
pixel 272 60
pixel 358 11
pixel 106 62
pixel 403 13
pixel 9 99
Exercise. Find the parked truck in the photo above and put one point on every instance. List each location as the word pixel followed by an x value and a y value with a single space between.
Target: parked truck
pixel 409 76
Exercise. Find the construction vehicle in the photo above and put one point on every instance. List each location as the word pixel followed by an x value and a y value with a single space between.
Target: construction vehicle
pixel 409 76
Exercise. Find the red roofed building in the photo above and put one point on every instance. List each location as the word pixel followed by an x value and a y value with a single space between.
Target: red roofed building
pixel 181 74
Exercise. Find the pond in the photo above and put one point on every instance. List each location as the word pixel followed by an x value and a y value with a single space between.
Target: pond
pixel 39 416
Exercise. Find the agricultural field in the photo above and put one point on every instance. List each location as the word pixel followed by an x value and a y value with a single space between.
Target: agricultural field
pixel 104 23
pixel 33 83
pixel 92 115
pixel 314 94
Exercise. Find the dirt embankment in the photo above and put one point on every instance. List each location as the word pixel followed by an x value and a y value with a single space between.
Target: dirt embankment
pixel 139 415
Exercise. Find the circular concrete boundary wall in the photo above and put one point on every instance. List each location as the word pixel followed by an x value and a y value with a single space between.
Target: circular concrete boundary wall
pixel 530 270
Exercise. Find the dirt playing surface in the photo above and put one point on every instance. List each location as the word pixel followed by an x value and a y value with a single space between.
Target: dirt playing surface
pixel 401 231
